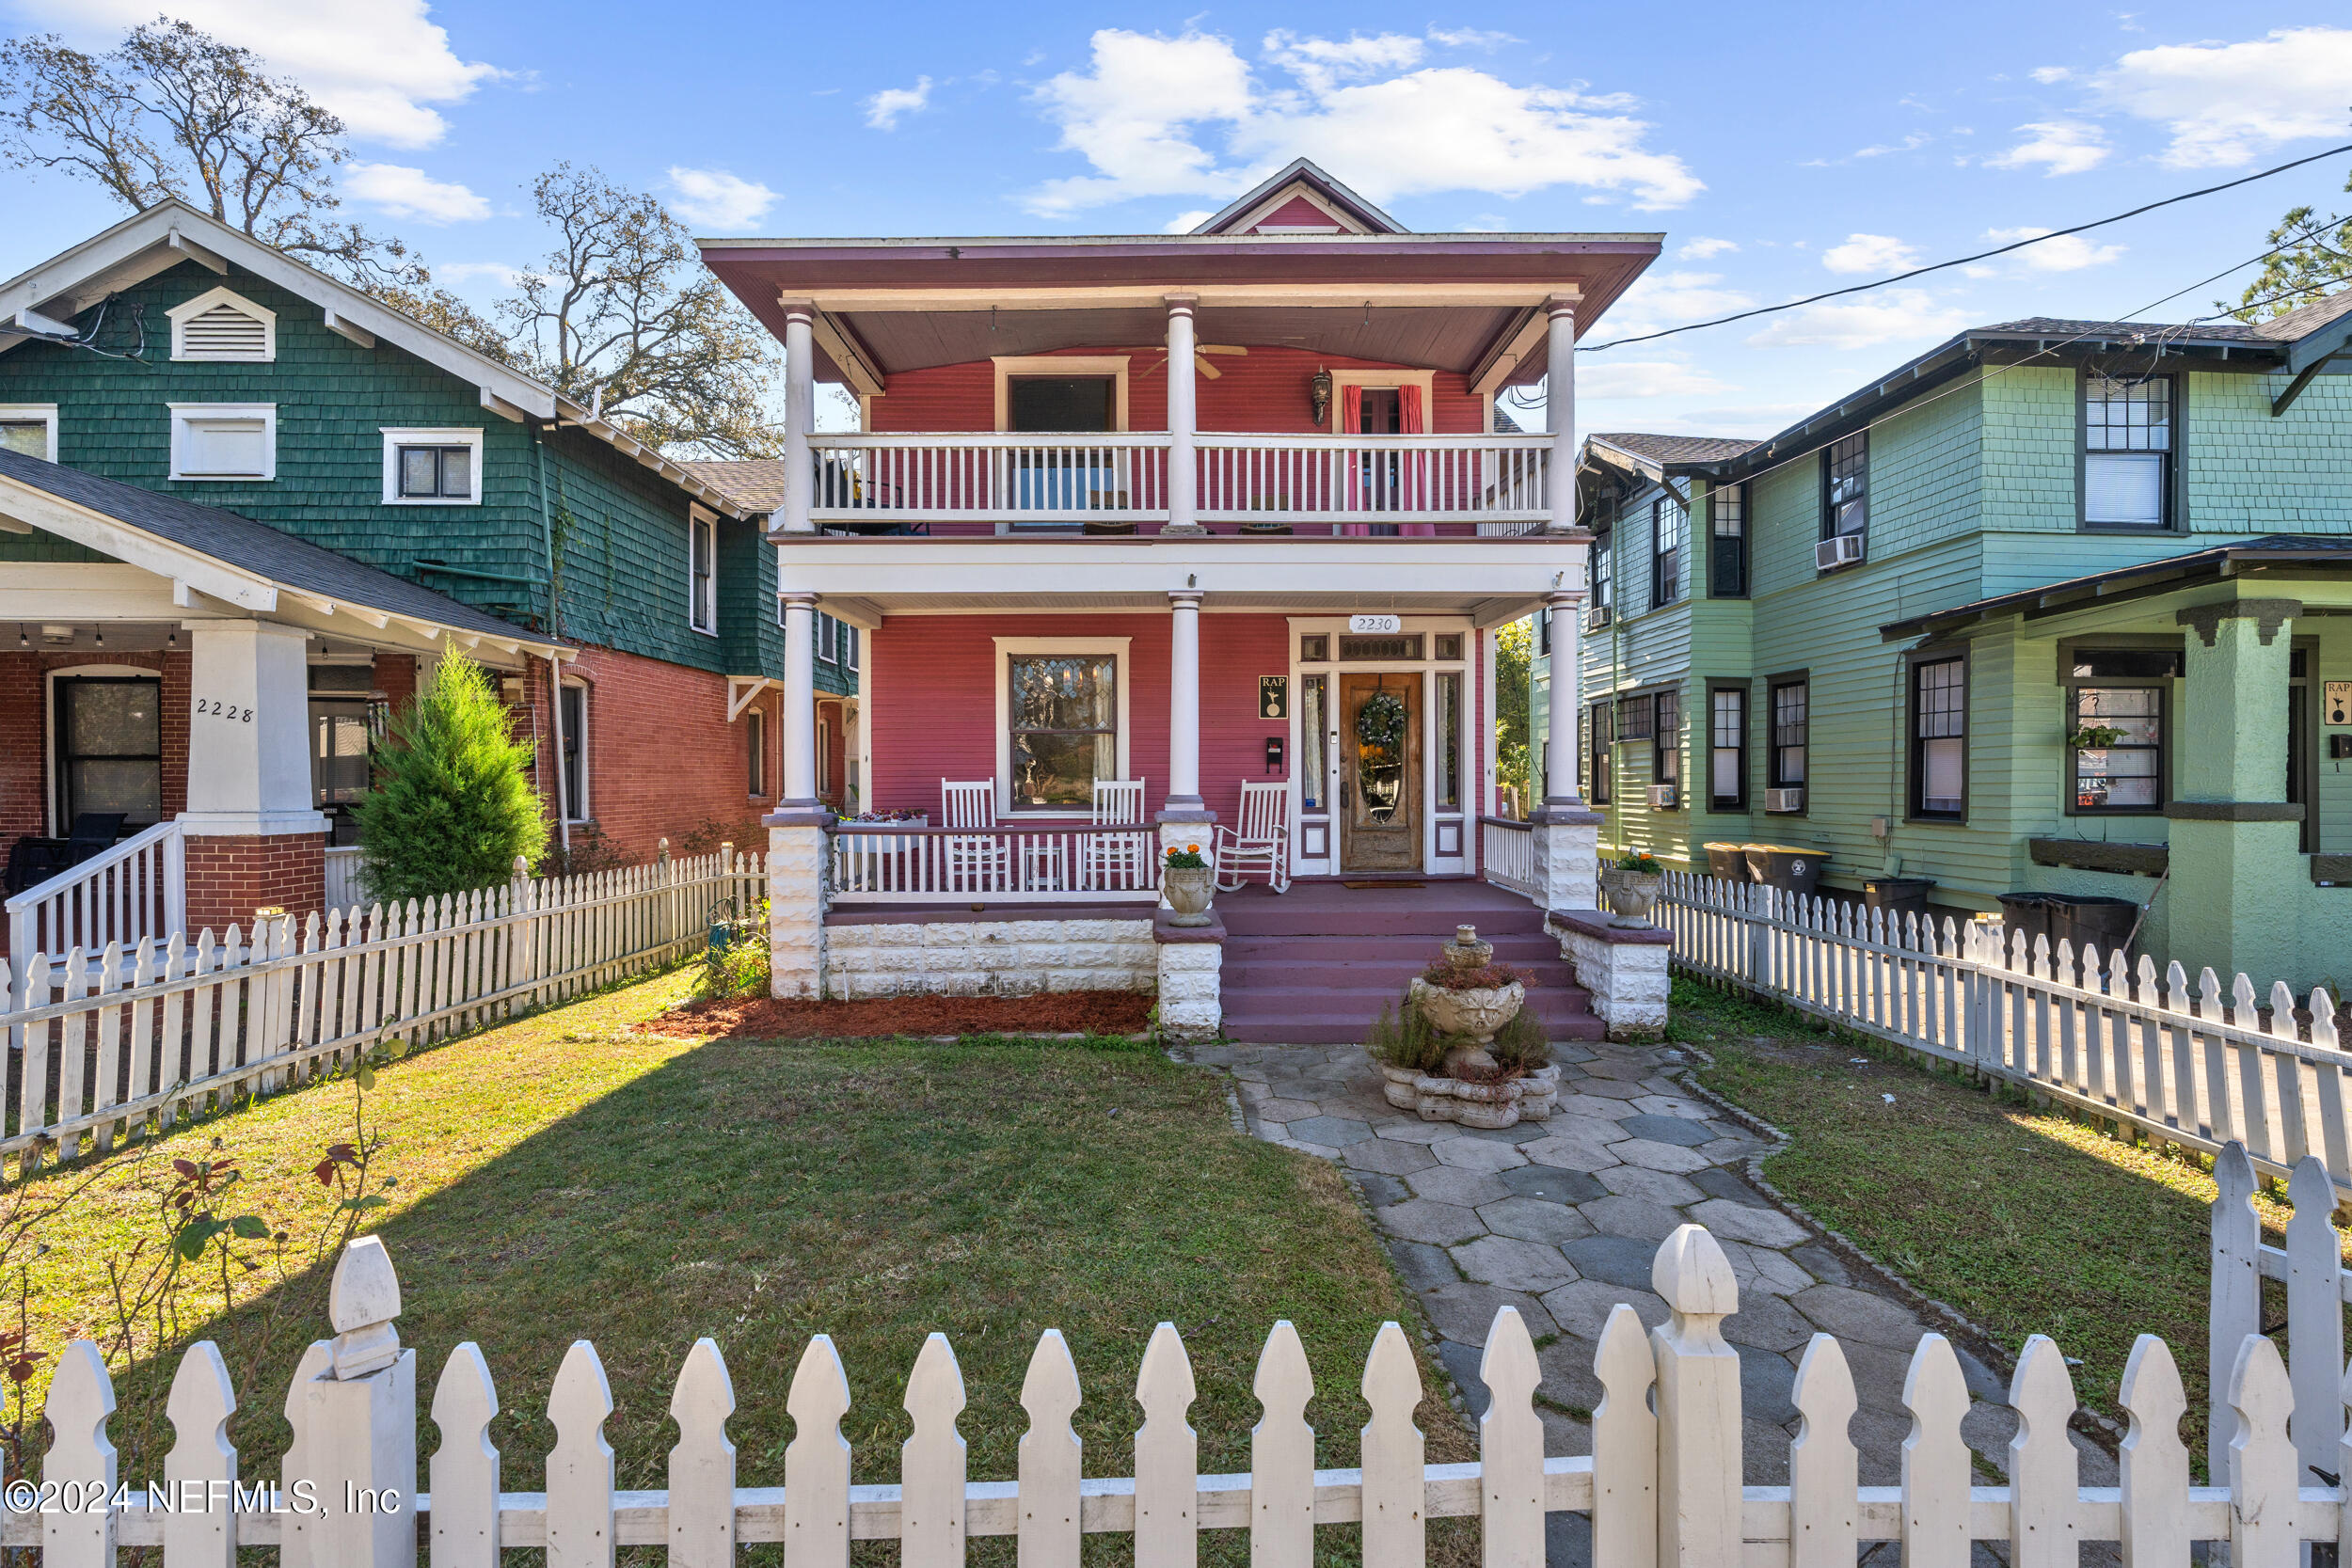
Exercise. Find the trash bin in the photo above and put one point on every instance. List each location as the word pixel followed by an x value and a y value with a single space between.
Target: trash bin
pixel 1792 870
pixel 1898 896
pixel 1726 863
pixel 2102 923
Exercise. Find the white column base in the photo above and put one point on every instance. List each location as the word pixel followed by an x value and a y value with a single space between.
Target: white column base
pixel 796 910
pixel 1191 985
pixel 1624 969
pixel 1567 859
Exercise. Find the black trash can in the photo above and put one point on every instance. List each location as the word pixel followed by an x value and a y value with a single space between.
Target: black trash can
pixel 2079 918
pixel 1726 863
pixel 1792 870
pixel 2026 914
pixel 1898 896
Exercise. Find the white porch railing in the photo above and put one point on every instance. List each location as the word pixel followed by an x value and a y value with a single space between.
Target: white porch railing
pixel 1021 479
pixel 1662 1482
pixel 1498 481
pixel 343 886
pixel 2096 1031
pixel 1507 852
pixel 1006 863
pixel 135 890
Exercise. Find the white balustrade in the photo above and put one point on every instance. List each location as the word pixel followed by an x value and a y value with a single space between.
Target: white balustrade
pixel 1021 479
pixel 135 890
pixel 1498 481
pixel 1507 853
pixel 1004 863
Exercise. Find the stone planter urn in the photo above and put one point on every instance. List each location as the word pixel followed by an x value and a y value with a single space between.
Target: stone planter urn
pixel 1476 1013
pixel 1188 891
pixel 1632 894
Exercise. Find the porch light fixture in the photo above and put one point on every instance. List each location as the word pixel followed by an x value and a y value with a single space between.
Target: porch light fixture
pixel 1319 393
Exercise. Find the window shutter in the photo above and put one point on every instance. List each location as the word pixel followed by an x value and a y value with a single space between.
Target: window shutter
pixel 228 447
pixel 224 332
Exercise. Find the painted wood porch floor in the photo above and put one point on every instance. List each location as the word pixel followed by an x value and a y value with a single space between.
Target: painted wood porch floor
pixel 1315 965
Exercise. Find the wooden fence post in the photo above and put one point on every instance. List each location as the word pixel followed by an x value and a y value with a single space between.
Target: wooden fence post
pixel 1698 1404
pixel 2314 1313
pixel 1282 1456
pixel 817 1461
pixel 76 1531
pixel 1510 1447
pixel 1167 1457
pixel 1051 1459
pixel 1396 1533
pixel 464 1468
pixel 2154 1528
pixel 361 1438
pixel 2234 1308
pixel 200 1472
pixel 932 1462
pixel 702 1465
pixel 579 1471
pixel 1824 1516
pixel 1624 1443
pixel 2044 1478
pixel 2264 1485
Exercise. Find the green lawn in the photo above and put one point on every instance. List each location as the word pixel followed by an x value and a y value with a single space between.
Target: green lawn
pixel 2027 1221
pixel 566 1177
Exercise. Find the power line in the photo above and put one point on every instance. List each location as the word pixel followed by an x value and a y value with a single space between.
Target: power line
pixel 1964 261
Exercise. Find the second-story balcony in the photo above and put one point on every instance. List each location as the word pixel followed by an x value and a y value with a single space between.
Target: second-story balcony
pixel 1018 482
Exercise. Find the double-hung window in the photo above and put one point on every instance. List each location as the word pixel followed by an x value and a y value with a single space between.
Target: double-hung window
pixel 1666 737
pixel 1602 732
pixel 2118 748
pixel 849 647
pixel 1728 752
pixel 1939 737
pixel 1792 728
pixel 1727 516
pixel 2127 452
pixel 1600 566
pixel 1670 531
pixel 755 753
pixel 575 765
pixel 702 572
pixel 1846 486
pixel 828 638
pixel 1062 712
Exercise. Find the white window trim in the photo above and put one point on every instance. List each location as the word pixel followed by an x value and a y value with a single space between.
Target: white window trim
pixel 17 413
pixel 1117 647
pixel 577 807
pixel 187 310
pixel 1425 380
pixel 704 617
pixel 849 640
pixel 1111 365
pixel 265 412
pixel 756 719
pixel 460 436
pixel 828 638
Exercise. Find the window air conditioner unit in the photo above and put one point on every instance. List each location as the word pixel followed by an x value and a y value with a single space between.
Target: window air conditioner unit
pixel 1841 549
pixel 1596 618
pixel 1662 797
pixel 1784 799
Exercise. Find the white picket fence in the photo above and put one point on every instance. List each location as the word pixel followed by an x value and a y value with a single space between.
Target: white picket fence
pixel 1662 1485
pixel 2311 1265
pixel 102 1042
pixel 2199 1067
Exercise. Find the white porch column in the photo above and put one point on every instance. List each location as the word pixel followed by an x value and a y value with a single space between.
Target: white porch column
pixel 1560 411
pixel 1561 772
pixel 799 416
pixel 1568 836
pixel 1183 802
pixel 256 835
pixel 1183 500
pixel 800 702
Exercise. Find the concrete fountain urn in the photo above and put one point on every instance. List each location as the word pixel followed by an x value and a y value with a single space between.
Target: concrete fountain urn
pixel 1457 1000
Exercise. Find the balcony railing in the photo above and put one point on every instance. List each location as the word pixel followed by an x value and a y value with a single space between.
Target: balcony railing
pixel 1004 863
pixel 993 482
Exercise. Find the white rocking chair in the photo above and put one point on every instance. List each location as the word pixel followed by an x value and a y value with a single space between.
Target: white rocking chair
pixel 1115 861
pixel 1260 845
pixel 979 865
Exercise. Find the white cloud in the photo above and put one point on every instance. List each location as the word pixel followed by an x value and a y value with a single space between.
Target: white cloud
pixel 1642 378
pixel 1701 246
pixel 381 64
pixel 887 107
pixel 1187 116
pixel 2068 253
pixel 411 193
pixel 1184 223
pixel 1869 253
pixel 1898 315
pixel 2225 103
pixel 461 273
pixel 2061 146
pixel 1658 300
pixel 713 198
pixel 2049 76
pixel 1470 38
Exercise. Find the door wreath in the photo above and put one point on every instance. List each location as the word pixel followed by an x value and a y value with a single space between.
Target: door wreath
pixel 1380 722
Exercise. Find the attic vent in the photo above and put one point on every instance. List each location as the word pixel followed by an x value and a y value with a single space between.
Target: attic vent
pixel 222 326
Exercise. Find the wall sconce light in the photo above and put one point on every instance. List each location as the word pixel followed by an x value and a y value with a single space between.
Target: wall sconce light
pixel 1319 393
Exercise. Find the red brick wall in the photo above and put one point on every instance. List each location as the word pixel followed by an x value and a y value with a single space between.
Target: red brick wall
pixel 396 678
pixel 931 701
pixel 25 742
pixel 229 877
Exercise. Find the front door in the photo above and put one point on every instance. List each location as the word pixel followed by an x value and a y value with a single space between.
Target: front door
pixel 1381 772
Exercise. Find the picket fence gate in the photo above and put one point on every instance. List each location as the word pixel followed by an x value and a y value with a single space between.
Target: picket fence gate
pixel 2200 1068
pixel 105 1043
pixel 1662 1485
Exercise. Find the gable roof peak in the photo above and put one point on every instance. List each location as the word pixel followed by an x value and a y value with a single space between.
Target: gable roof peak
pixel 1301 179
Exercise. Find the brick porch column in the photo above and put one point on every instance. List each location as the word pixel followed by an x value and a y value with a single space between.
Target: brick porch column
pixel 255 837
pixel 1567 835
pixel 2236 840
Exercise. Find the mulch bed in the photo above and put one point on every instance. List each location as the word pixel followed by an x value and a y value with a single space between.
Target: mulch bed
pixel 763 1018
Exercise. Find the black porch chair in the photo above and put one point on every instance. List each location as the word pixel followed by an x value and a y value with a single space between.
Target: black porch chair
pixel 33 860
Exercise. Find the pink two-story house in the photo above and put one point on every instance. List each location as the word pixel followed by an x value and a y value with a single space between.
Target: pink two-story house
pixel 1205 536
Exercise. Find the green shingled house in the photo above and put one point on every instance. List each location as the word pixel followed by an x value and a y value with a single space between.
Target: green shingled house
pixel 2056 607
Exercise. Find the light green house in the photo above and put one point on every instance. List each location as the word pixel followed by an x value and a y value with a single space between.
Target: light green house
pixel 2057 607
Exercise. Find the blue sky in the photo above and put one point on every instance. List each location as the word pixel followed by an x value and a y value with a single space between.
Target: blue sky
pixel 1783 150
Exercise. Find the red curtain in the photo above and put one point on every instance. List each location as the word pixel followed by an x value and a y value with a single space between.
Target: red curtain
pixel 1413 418
pixel 1352 423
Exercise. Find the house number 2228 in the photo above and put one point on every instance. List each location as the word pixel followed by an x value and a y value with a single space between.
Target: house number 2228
pixel 223 710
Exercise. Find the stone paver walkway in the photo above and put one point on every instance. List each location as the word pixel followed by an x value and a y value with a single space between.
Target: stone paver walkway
pixel 1561 1219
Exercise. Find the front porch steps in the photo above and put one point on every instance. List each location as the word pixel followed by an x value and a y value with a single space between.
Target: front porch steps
pixel 1314 966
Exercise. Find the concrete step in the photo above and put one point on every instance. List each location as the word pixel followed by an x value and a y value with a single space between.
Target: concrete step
pixel 1419 951
pixel 1241 973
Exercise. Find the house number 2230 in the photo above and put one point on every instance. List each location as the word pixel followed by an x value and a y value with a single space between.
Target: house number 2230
pixel 223 710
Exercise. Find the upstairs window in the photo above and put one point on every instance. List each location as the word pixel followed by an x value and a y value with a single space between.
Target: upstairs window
pixel 1602 733
pixel 1939 737
pixel 849 647
pixel 2127 452
pixel 1666 738
pixel 828 638
pixel 1728 568
pixel 223 326
pixel 702 572
pixel 433 467
pixel 1601 568
pixel 1791 726
pixel 1846 486
pixel 224 440
pixel 1670 531
pixel 1727 751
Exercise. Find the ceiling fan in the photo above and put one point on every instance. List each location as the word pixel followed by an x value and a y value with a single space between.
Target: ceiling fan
pixel 1201 353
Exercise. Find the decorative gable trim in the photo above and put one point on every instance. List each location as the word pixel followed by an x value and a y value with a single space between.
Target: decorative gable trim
pixel 222 324
pixel 1301 177
pixel 1298 208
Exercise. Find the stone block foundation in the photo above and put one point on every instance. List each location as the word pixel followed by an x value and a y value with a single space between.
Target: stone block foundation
pixel 923 955
pixel 1191 979
pixel 1625 969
